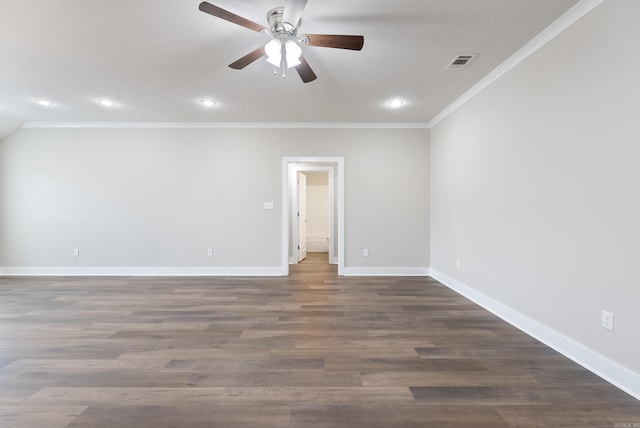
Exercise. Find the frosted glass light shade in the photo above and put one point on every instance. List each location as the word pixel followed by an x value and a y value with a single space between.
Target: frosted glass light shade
pixel 293 53
pixel 273 49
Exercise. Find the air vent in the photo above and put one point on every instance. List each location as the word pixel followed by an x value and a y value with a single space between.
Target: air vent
pixel 461 61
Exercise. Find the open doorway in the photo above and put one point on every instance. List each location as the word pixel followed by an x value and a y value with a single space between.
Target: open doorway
pixel 320 179
pixel 316 212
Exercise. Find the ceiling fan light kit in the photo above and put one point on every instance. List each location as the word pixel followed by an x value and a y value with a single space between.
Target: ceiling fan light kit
pixel 292 52
pixel 284 50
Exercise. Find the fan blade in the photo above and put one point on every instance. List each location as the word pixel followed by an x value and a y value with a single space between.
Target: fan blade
pixel 336 41
pixel 228 16
pixel 248 59
pixel 304 70
pixel 293 12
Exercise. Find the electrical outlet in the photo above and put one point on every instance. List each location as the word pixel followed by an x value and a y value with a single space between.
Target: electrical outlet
pixel 458 263
pixel 607 320
pixel 365 252
pixel 210 252
pixel 76 252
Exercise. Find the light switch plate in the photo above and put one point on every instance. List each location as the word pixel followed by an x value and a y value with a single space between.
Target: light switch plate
pixel 607 320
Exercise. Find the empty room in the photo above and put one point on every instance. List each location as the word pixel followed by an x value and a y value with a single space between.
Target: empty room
pixel 319 213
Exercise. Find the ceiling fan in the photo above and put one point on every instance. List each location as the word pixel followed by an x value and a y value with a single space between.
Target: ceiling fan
pixel 284 50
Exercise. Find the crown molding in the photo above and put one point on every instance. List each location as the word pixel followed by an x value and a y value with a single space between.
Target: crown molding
pixel 558 26
pixel 226 125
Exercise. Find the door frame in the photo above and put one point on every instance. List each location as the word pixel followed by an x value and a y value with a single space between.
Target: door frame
pixel 290 167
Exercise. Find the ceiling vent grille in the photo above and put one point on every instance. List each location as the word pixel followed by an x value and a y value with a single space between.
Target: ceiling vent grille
pixel 461 61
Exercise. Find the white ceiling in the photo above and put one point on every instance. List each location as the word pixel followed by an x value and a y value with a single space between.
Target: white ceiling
pixel 158 58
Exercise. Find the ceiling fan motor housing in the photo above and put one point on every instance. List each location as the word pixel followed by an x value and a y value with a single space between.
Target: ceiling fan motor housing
pixel 280 28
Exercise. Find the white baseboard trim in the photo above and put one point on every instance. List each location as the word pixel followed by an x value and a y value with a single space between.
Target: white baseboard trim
pixel 333 261
pixel 620 376
pixel 142 271
pixel 318 243
pixel 317 246
pixel 386 271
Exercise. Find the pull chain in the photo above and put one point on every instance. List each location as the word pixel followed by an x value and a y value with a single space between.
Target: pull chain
pixel 283 63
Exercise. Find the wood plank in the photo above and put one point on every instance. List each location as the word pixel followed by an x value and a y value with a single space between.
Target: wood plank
pixel 309 350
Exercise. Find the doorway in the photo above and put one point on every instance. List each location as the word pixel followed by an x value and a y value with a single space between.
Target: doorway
pixel 297 169
pixel 314 213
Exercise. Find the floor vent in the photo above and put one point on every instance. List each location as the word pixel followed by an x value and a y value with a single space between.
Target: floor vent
pixel 461 61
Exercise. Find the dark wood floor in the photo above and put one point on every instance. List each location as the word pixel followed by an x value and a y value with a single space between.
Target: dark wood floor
pixel 310 350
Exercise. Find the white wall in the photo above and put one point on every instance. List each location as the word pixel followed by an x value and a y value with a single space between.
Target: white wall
pixel 318 212
pixel 160 197
pixel 7 124
pixel 535 187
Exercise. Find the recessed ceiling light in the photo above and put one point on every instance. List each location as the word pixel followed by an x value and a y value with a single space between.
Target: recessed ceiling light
pixel 105 102
pixel 44 103
pixel 208 102
pixel 396 103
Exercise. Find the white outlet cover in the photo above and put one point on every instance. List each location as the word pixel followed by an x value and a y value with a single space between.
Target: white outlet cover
pixel 607 320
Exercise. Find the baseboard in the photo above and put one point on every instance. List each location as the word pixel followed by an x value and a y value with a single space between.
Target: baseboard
pixel 385 271
pixel 142 271
pixel 318 244
pixel 620 376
